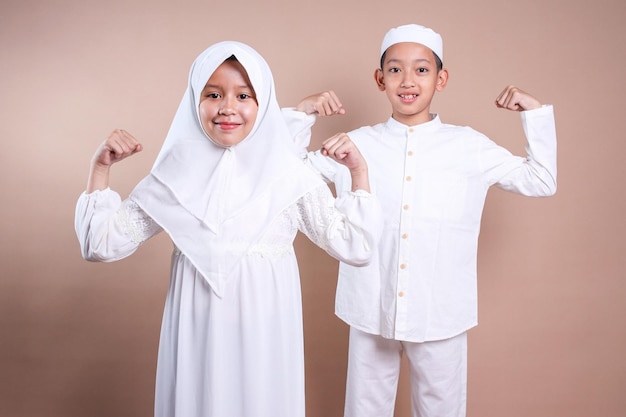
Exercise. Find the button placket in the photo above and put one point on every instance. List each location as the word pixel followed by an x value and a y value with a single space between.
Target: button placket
pixel 408 192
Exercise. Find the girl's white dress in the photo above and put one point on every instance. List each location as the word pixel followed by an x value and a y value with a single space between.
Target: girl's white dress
pixel 239 355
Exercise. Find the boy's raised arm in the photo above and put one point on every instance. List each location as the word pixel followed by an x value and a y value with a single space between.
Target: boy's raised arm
pixel 513 98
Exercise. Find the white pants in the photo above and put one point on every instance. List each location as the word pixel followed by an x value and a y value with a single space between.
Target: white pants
pixel 438 375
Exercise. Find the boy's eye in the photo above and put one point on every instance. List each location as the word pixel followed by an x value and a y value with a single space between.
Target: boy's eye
pixel 393 69
pixel 422 70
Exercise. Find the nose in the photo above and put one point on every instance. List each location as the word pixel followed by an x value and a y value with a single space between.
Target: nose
pixel 227 106
pixel 407 79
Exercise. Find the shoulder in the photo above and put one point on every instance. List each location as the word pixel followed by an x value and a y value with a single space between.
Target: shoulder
pixel 461 132
pixel 366 131
pixel 458 129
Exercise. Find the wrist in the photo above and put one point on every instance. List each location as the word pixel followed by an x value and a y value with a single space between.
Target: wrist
pixel 98 177
pixel 99 167
pixel 360 179
pixel 532 105
pixel 358 171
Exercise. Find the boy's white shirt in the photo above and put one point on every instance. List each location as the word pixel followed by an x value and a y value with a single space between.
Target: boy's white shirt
pixel 432 180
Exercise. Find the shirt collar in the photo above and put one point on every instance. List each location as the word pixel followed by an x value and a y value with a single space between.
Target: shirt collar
pixel 400 128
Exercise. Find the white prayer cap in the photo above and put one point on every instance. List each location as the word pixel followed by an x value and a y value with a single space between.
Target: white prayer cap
pixel 413 33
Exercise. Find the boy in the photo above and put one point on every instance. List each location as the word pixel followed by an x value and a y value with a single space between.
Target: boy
pixel 419 297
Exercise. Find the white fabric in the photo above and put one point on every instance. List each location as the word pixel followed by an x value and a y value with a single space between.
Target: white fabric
pixel 416 34
pixel 208 197
pixel 241 354
pixel 231 340
pixel 432 181
pixel 438 375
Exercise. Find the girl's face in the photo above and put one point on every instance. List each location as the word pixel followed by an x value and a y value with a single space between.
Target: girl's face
pixel 228 106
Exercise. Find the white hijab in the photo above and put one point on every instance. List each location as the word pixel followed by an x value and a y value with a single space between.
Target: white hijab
pixel 213 201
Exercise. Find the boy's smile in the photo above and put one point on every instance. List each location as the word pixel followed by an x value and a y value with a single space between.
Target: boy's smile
pixel 410 78
pixel 408 98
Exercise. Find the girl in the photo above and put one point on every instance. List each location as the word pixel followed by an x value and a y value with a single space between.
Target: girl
pixel 230 190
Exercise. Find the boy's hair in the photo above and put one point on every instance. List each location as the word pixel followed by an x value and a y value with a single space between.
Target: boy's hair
pixel 437 61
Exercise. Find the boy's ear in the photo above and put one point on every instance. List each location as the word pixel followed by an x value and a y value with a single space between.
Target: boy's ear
pixel 442 79
pixel 380 79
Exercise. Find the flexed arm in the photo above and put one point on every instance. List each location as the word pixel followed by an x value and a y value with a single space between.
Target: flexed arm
pixel 322 104
pixel 341 149
pixel 535 175
pixel 512 98
pixel 119 145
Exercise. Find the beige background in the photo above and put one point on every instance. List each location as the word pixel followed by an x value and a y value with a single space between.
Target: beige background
pixel 80 339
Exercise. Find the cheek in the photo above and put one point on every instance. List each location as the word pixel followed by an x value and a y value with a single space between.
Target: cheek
pixel 250 114
pixel 392 83
pixel 204 111
pixel 390 92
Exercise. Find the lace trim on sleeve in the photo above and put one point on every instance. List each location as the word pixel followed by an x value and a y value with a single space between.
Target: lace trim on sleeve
pixel 316 212
pixel 135 222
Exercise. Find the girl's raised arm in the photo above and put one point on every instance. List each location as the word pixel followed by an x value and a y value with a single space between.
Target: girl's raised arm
pixel 119 145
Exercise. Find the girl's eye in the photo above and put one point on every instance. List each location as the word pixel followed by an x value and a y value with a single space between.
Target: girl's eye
pixel 212 95
pixel 244 96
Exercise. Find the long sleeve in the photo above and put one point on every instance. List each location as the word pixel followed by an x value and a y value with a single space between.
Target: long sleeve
pixel 299 125
pixel 109 229
pixel 347 228
pixel 535 175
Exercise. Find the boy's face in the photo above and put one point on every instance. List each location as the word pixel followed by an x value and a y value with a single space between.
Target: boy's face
pixel 410 78
pixel 228 106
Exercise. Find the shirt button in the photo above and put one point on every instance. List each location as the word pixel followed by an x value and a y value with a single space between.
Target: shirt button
pixel 410 153
pixel 405 236
pixel 402 266
pixel 400 294
pixel 408 178
pixel 406 206
pixel 411 130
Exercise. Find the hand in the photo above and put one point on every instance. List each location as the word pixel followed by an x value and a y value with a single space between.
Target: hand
pixel 341 148
pixel 119 145
pixel 322 104
pixel 512 98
